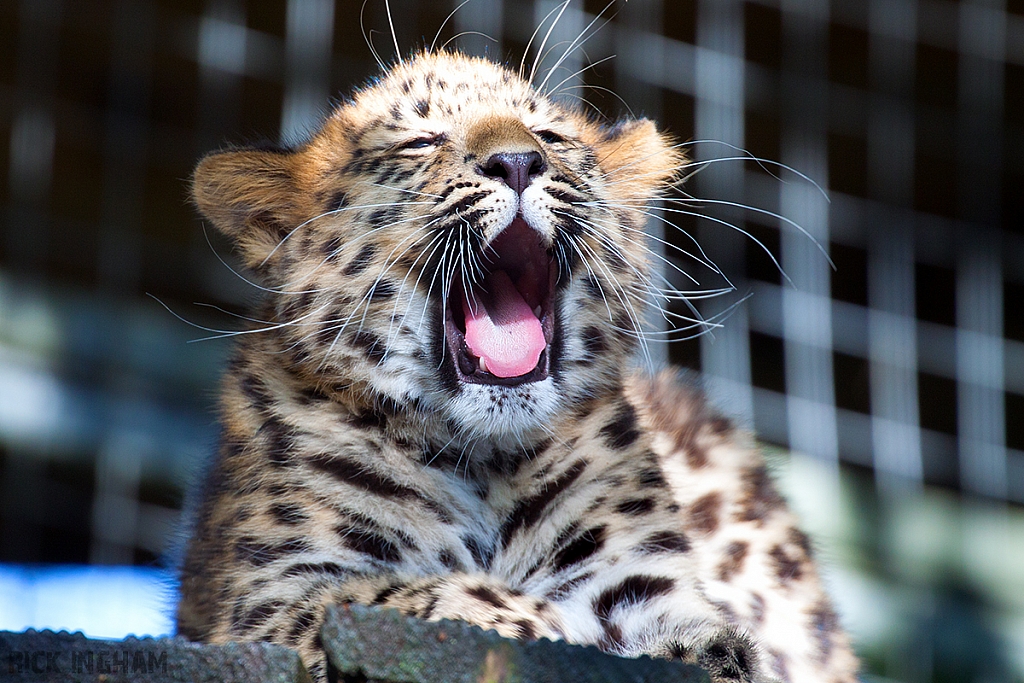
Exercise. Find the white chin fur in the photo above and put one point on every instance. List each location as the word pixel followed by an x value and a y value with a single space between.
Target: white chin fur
pixel 496 413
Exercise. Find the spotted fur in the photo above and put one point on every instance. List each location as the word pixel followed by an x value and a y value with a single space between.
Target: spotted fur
pixel 360 462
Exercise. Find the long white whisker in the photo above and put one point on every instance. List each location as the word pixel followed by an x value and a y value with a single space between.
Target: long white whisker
pixel 579 71
pixel 763 163
pixel 624 300
pixel 599 233
pixel 449 443
pixel 738 229
pixel 551 48
pixel 447 270
pixel 437 237
pixel 366 37
pixel 582 99
pixel 440 28
pixel 364 303
pixel 663 257
pixel 402 189
pixel 703 259
pixel 746 156
pixel 593 276
pixel 443 245
pixel 765 212
pixel 412 266
pixel 348 245
pixel 600 88
pixel 239 275
pixel 536 31
pixel 401 287
pixel 706 325
pixel 745 207
pixel 577 43
pixel 651 292
pixel 333 212
pixel 394 36
pixel 540 50
pixel 222 334
pixel 239 316
pixel 694 163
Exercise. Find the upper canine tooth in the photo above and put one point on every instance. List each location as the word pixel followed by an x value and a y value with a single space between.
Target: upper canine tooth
pixel 537 310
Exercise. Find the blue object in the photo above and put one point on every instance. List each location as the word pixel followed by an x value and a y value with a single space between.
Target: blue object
pixel 100 601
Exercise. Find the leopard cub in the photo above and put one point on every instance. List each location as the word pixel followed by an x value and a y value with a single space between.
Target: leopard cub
pixel 436 410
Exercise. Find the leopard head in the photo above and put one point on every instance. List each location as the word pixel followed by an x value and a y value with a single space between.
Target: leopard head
pixel 454 240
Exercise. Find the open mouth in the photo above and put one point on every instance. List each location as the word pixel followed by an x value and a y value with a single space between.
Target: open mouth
pixel 499 331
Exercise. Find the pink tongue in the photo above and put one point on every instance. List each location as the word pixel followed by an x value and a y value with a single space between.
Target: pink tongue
pixel 503 331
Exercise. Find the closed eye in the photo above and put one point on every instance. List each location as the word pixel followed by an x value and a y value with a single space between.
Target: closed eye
pixel 421 142
pixel 549 136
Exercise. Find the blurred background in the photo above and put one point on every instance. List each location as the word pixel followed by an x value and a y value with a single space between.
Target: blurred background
pixel 889 388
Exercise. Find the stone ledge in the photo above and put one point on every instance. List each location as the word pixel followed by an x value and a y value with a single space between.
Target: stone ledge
pixel 364 645
pixel 371 645
pixel 48 657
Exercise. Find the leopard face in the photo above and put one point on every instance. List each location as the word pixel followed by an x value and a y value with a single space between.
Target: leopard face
pixel 451 241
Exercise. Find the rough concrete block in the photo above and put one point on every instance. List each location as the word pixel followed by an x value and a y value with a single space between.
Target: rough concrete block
pixel 377 645
pixel 48 657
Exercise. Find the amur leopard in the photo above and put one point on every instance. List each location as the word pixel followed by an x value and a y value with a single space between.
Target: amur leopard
pixel 435 407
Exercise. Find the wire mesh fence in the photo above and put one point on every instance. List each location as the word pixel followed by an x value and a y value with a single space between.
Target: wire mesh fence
pixel 902 364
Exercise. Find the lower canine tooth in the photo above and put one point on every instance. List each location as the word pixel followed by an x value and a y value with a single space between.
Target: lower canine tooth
pixel 483 365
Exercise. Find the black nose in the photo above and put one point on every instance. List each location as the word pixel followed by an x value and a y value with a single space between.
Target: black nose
pixel 517 169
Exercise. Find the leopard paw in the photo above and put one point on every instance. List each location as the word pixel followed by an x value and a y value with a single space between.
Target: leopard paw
pixel 728 657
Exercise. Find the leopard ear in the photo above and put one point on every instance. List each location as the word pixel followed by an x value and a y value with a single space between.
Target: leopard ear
pixel 249 195
pixel 639 160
